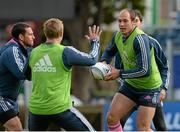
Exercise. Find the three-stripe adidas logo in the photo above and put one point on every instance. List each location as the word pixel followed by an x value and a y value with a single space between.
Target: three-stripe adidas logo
pixel 44 65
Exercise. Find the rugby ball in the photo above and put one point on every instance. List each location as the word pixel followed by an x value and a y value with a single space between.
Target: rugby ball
pixel 100 70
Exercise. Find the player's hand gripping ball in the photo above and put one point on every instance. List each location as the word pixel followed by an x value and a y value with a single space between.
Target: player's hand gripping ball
pixel 100 70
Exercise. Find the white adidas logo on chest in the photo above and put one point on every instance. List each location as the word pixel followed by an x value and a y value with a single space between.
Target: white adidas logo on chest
pixel 44 65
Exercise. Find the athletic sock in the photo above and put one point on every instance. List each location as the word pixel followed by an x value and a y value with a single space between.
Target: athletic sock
pixel 117 127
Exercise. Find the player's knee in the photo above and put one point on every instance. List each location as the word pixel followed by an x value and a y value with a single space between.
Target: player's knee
pixel 14 126
pixel 111 119
pixel 142 126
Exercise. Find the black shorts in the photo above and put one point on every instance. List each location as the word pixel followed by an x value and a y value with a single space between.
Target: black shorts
pixel 143 97
pixel 70 120
pixel 8 109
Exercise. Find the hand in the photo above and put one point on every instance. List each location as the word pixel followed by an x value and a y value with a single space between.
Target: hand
pixel 94 33
pixel 114 74
pixel 162 95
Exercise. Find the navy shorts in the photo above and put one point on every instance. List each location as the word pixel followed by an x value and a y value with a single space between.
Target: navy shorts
pixel 8 109
pixel 70 120
pixel 143 97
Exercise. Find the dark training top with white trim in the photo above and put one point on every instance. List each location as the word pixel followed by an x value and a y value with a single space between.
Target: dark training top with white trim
pixel 160 58
pixel 13 63
pixel 72 56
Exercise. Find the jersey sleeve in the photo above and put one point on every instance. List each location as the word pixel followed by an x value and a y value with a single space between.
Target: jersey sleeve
pixel 162 63
pixel 15 62
pixel 110 50
pixel 142 50
pixel 72 56
pixel 118 61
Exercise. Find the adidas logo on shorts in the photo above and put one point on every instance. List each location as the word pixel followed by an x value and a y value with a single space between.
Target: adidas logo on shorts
pixel 44 65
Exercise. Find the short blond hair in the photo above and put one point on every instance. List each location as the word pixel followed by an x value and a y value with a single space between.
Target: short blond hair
pixel 53 28
pixel 131 12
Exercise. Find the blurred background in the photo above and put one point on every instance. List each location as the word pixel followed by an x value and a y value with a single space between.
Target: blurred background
pixel 161 20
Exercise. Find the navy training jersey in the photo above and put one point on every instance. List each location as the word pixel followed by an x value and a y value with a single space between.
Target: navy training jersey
pixel 72 56
pixel 13 62
pixel 160 58
pixel 112 50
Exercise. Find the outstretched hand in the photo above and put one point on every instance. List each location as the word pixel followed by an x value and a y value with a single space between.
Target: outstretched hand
pixel 94 33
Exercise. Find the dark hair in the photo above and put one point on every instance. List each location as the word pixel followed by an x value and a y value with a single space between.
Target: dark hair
pixel 138 14
pixel 19 28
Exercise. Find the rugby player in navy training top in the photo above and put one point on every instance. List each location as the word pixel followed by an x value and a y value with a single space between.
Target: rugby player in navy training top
pixel 13 63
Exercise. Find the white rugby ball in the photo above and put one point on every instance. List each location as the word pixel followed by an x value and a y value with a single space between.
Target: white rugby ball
pixel 100 70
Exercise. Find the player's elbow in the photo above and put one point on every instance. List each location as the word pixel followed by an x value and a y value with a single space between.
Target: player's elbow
pixel 92 62
pixel 146 72
pixel 21 77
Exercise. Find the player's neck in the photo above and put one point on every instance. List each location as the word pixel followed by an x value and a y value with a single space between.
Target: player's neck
pixel 53 41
